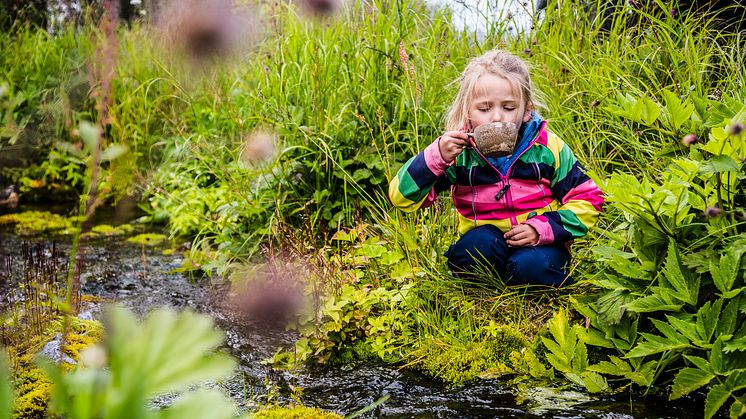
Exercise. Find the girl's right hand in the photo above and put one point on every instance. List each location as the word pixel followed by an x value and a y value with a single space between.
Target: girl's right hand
pixel 451 144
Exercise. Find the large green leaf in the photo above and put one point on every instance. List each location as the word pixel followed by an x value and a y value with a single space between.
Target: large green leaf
pixel 700 363
pixel 679 277
pixel 688 380
pixel 654 344
pixel 707 319
pixel 655 302
pixel 716 356
pixel 738 408
pixel 594 382
pixel 717 395
pixel 719 164
pixel 686 328
pixel 728 318
pixel 592 337
pixel 201 404
pixel 6 389
pixel 164 353
pixel 720 393
pixel 168 352
pixel 568 354
pixel 724 273
pixel 644 375
pixel 738 344
pixel 616 366
pixel 677 111
pixel 670 332
pixel 628 268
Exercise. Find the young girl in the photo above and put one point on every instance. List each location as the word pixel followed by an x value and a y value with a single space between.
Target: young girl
pixel 517 214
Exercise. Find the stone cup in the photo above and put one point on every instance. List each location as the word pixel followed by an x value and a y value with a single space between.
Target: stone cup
pixel 496 139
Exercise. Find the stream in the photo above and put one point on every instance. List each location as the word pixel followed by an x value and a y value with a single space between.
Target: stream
pixel 142 278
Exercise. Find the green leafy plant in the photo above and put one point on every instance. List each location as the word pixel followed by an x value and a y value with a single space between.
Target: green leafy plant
pixel 167 352
pixel 568 354
pixel 672 286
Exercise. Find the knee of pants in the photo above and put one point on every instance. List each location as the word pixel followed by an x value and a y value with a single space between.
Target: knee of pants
pixel 482 247
pixel 539 266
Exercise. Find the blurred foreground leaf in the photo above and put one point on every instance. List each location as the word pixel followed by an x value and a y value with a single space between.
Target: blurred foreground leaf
pixel 6 390
pixel 167 352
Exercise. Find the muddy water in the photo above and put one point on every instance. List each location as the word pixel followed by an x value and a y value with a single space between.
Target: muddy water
pixel 142 279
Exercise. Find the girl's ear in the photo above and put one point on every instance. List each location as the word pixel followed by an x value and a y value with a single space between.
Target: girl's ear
pixel 527 113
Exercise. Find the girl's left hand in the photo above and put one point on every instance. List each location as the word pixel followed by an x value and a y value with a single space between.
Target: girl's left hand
pixel 522 235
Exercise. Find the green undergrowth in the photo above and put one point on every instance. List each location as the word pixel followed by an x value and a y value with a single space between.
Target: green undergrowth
pixel 32 223
pixel 422 319
pixel 293 412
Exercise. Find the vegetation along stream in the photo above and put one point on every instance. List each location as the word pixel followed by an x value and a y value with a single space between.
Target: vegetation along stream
pixel 143 278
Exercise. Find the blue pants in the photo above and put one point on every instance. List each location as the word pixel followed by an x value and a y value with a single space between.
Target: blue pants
pixel 483 250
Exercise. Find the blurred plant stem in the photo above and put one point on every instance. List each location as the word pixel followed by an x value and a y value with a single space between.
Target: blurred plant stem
pixel 102 70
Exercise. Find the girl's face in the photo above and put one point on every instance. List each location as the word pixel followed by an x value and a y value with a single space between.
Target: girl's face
pixel 493 100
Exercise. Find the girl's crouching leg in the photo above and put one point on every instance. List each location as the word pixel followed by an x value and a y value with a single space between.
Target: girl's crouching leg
pixel 539 265
pixel 482 251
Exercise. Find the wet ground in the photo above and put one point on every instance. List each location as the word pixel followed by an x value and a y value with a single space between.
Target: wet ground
pixel 143 278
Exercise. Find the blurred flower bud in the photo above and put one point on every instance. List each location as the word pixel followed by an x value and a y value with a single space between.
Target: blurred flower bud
pixel 689 139
pixel 736 128
pixel 260 145
pixel 273 295
pixel 320 7
pixel 93 356
pixel 206 29
pixel 712 212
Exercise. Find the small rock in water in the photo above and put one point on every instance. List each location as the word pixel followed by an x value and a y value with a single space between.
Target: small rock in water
pixel 85 315
pixel 53 351
pixel 9 197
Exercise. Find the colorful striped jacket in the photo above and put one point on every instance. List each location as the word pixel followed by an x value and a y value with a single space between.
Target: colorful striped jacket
pixel 545 186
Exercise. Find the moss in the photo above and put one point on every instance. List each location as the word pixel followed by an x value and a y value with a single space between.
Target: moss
pixel 294 412
pixel 105 230
pixel 457 363
pixel 31 223
pixel 148 239
pixel 32 385
pixel 33 388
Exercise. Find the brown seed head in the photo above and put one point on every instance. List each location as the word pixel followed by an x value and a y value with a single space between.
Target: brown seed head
pixel 736 128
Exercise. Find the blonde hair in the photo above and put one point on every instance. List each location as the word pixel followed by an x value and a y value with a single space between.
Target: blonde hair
pixel 499 63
